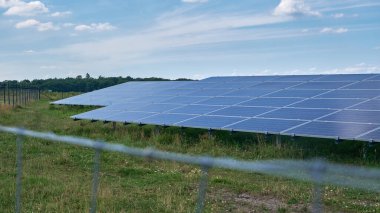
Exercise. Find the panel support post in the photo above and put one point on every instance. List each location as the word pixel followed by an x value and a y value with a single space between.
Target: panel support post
pixel 278 141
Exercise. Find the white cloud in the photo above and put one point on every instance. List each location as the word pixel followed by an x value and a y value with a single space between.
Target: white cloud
pixel 27 9
pixel 338 15
pixel 49 67
pixel 334 30
pixel 61 14
pixel 9 3
pixel 294 8
pixel 95 27
pixel 377 48
pixel 29 51
pixel 194 1
pixel 32 23
pixel 68 25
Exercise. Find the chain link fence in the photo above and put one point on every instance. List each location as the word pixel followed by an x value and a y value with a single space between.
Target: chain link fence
pixel 318 172
pixel 17 95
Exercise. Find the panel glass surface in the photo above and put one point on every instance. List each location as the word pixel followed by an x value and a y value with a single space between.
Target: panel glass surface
pixel 210 92
pixel 184 100
pixel 365 85
pixel 321 85
pixel 166 119
pixel 271 102
pixel 265 125
pixel 275 85
pixel 242 111
pixel 129 117
pixel 355 116
pixel 249 93
pixel 297 78
pixel 158 107
pixel 303 114
pixel 215 122
pixel 351 94
pixel 332 129
pixel 327 103
pixel 368 105
pixel 224 101
pixel 98 114
pixel 346 77
pixel 196 109
pixel 293 93
pixel 375 135
pixel 126 106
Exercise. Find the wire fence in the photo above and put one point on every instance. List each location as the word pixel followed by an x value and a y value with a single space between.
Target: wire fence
pixel 18 95
pixel 318 172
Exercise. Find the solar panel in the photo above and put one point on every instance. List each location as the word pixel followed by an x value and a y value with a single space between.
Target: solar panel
pixel 345 106
pixel 327 103
pixel 214 122
pixel 332 129
pixel 293 113
pixel 242 111
pixel 265 125
pixel 271 102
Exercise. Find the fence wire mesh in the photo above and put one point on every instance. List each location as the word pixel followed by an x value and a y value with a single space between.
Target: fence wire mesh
pixel 318 172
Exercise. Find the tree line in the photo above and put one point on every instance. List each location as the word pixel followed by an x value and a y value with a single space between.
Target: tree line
pixel 77 84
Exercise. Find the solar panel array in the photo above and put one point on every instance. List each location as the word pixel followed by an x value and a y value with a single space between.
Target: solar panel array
pixel 331 106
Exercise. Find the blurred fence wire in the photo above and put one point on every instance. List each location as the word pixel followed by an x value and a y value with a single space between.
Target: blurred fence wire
pixel 319 172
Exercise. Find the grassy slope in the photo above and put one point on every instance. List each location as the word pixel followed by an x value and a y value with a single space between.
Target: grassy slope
pixel 57 177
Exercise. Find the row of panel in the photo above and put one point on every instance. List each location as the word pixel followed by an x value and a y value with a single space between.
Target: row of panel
pixel 258 124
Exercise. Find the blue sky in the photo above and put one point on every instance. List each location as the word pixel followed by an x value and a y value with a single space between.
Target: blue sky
pixel 187 38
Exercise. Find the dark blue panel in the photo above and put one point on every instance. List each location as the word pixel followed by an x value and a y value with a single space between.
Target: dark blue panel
pixel 166 119
pixel 145 99
pixel 275 85
pixel 350 77
pixel 297 78
pixel 98 114
pixel 249 93
pixel 332 129
pixel 292 113
pixel 234 85
pixel 376 78
pixel 224 101
pixel 173 92
pixel 242 111
pixel 368 105
pixel 265 125
pixel 184 100
pixel 210 92
pixel 365 85
pixel 351 94
pixel 158 107
pixel 355 116
pixel 375 135
pixel 214 122
pixel 272 102
pixel 125 106
pixel 196 109
pixel 321 85
pixel 130 117
pixel 327 103
pixel 197 85
pixel 253 78
pixel 292 93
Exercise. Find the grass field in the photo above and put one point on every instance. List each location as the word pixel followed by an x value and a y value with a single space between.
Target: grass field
pixel 57 177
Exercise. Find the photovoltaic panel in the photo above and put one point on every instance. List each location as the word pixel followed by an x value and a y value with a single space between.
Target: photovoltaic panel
pixel 224 101
pixel 303 114
pixel 184 100
pixel 196 109
pixel 332 129
pixel 215 122
pixel 129 117
pixel 252 103
pixel 365 85
pixel 351 94
pixel 347 77
pixel 271 102
pixel 248 93
pixel 293 93
pixel 368 105
pixel 373 135
pixel 321 85
pixel 242 111
pixel 265 125
pixel 166 119
pixel 158 107
pixel 327 103
pixel 355 116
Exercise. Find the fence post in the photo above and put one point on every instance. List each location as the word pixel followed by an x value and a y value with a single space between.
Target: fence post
pixel 95 180
pixel 203 186
pixel 317 172
pixel 19 142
